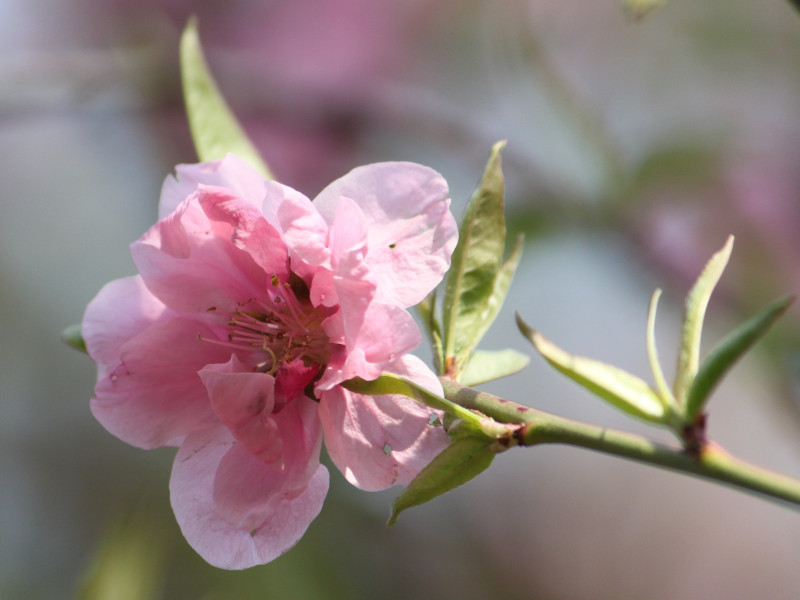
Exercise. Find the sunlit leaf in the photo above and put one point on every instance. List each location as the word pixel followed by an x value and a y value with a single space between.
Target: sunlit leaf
pixel 476 262
pixel 486 366
pixel 214 128
pixel 72 336
pixel 460 462
pixel 502 283
pixel 694 313
pixel 388 384
pixel 728 351
pixel 652 352
pixel 621 389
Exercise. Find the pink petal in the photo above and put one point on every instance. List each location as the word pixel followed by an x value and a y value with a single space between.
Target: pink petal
pixel 348 241
pixel 153 396
pixel 120 311
pixel 248 230
pixel 304 230
pixel 292 379
pixel 276 195
pixel 323 288
pixel 411 232
pixel 229 506
pixel 190 262
pixel 378 441
pixel 231 172
pixel 244 401
pixel 384 333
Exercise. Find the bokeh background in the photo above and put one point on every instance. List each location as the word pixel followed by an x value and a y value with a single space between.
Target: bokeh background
pixel 633 150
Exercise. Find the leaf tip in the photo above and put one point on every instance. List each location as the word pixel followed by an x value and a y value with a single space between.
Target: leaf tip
pixel 724 253
pixel 526 329
pixel 73 338
pixel 393 517
pixel 499 146
pixel 190 34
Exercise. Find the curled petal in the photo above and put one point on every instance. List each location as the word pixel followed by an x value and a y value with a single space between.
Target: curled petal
pixel 190 262
pixel 304 230
pixel 291 380
pixel 231 508
pixel 244 401
pixel 348 241
pixel 248 229
pixel 230 172
pixel 374 339
pixel 411 233
pixel 379 441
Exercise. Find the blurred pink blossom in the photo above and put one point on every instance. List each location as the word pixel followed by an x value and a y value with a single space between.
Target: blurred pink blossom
pixel 307 78
pixel 751 193
pixel 252 304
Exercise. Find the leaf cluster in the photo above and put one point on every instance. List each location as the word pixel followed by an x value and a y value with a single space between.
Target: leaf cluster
pixel 681 407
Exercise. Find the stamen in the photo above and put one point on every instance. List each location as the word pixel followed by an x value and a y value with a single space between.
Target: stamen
pixel 280 328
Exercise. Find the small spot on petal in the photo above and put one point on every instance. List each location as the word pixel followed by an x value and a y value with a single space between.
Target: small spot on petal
pixel 252 533
pixel 387 449
pixel 392 245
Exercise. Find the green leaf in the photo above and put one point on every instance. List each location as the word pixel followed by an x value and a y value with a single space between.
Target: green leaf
pixel 502 283
pixel 214 128
pixel 476 262
pixel 694 313
pixel 72 336
pixel 389 383
pixel 727 352
pixel 621 389
pixel 652 353
pixel 486 366
pixel 427 313
pixel 460 462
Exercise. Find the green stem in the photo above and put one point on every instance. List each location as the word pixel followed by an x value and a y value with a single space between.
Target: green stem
pixel 710 462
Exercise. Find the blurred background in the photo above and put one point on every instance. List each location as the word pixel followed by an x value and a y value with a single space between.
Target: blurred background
pixel 634 149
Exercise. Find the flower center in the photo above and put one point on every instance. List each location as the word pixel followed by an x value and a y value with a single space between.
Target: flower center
pixel 279 329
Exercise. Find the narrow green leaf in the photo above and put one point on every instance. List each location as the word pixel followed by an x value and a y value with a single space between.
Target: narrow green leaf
pixel 214 128
pixel 72 336
pixel 502 283
pixel 486 366
pixel 694 313
pixel 476 261
pixel 460 462
pixel 389 383
pixel 727 352
pixel 652 353
pixel 427 313
pixel 621 389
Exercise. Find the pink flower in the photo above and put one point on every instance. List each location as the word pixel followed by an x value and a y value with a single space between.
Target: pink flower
pixel 252 304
